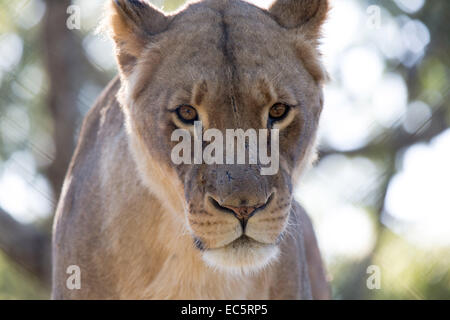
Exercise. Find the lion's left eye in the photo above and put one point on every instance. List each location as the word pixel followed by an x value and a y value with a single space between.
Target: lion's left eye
pixel 187 114
pixel 278 111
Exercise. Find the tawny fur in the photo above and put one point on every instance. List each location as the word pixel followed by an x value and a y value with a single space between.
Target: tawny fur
pixel 129 217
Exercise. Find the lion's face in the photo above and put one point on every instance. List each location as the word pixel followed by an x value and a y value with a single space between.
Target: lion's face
pixel 229 65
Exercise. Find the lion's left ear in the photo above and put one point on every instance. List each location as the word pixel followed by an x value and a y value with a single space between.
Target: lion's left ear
pixel 131 24
pixel 305 15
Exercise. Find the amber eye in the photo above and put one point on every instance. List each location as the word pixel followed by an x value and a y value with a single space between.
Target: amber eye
pixel 187 114
pixel 278 111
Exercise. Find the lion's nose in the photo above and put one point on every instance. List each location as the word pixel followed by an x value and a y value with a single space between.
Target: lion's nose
pixel 242 213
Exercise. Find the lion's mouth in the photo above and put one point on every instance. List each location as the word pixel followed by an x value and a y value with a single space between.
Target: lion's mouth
pixel 244 240
pixel 242 255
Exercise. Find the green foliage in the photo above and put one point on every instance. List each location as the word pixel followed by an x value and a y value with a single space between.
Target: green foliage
pixel 18 284
pixel 412 271
pixel 408 271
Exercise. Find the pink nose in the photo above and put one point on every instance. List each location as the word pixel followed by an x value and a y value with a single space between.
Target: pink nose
pixel 242 213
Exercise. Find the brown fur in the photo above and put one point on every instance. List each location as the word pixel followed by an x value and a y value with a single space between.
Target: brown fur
pixel 141 227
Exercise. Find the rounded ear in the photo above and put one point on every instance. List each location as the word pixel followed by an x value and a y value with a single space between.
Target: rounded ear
pixel 306 15
pixel 131 23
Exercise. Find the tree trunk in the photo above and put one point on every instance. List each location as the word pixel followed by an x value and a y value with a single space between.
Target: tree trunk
pixel 63 58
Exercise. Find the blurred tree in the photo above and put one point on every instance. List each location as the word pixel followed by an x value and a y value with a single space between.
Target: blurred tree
pixel 424 82
pixel 67 67
pixel 55 110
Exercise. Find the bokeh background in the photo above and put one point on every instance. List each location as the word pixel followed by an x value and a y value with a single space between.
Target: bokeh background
pixel 379 194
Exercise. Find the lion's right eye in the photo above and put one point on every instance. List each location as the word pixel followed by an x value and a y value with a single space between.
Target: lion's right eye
pixel 278 111
pixel 187 114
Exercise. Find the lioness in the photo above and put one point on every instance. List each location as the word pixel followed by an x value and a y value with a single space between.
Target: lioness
pixel 140 227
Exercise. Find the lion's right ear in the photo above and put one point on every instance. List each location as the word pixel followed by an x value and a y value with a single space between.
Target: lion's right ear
pixel 131 24
pixel 306 16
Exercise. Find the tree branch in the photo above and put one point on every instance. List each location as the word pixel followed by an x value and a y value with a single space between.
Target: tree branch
pixel 397 139
pixel 27 246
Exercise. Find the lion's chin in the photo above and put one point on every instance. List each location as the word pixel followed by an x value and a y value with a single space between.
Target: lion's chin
pixel 242 256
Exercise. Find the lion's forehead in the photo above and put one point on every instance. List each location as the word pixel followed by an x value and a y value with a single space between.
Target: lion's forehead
pixel 242 35
pixel 228 48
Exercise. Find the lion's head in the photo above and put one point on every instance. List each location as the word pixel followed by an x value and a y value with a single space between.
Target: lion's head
pixel 230 65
